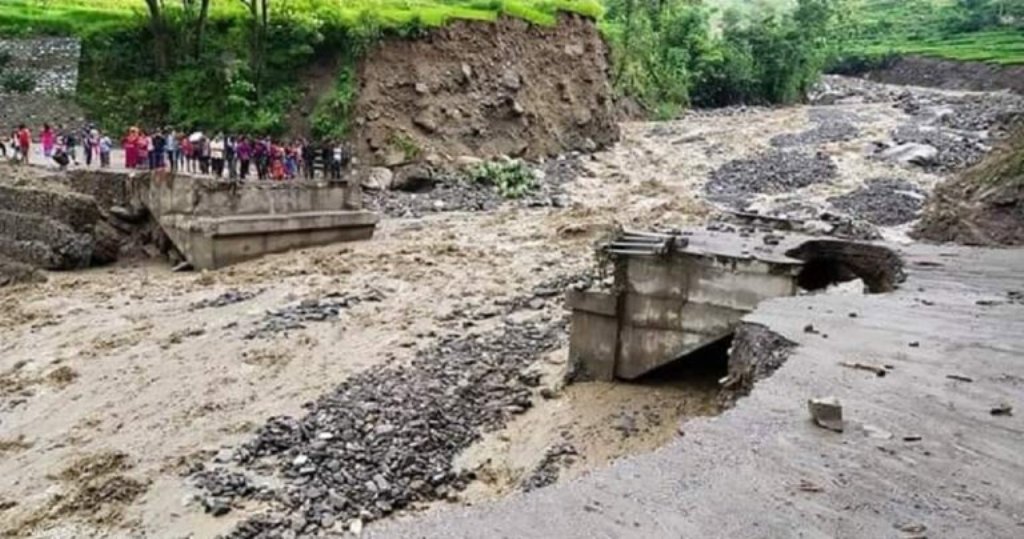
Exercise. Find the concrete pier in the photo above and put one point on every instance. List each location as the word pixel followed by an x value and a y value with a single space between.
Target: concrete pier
pixel 681 293
pixel 216 223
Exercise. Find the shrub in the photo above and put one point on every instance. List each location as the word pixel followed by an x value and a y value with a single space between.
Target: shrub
pixel 512 179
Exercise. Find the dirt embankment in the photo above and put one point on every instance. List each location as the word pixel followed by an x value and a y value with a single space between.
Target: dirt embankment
pixel 950 74
pixel 485 90
pixel 983 206
pixel 66 221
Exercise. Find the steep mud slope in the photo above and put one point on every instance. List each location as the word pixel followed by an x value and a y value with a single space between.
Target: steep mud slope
pixel 950 74
pixel 984 206
pixel 507 88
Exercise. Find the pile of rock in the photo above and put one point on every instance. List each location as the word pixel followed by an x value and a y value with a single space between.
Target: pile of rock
pixel 772 172
pixel 230 297
pixel 882 202
pixel 831 125
pixel 296 316
pixel 387 438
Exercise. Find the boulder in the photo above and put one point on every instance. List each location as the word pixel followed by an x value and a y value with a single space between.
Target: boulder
pixel 412 178
pixel 378 179
pixel 912 153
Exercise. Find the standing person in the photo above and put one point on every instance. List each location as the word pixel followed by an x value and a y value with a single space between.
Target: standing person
pixel 290 162
pixel 104 145
pixel 217 155
pixel 204 155
pixel 230 156
pixel 308 159
pixel 159 143
pixel 88 144
pixel 173 147
pixel 259 155
pixel 188 151
pixel 337 160
pixel 71 144
pixel 131 148
pixel 24 137
pixel 143 148
pixel 244 153
pixel 277 162
pixel 47 139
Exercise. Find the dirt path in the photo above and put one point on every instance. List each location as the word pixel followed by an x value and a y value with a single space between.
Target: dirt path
pixel 128 361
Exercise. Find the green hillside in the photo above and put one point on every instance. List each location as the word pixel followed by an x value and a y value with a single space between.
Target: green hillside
pixel 975 30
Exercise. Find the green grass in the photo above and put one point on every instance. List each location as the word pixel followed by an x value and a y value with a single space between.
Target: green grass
pixel 922 27
pixel 1004 47
pixel 82 17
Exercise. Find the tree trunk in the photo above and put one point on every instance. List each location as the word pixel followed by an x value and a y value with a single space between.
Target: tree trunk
pixel 200 27
pixel 158 26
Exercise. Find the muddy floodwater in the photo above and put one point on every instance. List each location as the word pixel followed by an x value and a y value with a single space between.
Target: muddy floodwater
pixel 117 384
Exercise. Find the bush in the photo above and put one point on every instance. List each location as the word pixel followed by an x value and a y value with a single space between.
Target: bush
pixel 512 179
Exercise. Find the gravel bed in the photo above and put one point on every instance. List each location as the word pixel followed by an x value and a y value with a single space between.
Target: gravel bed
pixel 882 202
pixel 820 134
pixel 227 298
pixel 309 310
pixel 772 172
pixel 387 437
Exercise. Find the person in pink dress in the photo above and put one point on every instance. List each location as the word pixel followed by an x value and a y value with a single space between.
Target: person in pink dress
pixel 130 144
pixel 47 139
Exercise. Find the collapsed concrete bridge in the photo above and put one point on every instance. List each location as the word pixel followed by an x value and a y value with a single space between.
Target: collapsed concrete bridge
pixel 674 294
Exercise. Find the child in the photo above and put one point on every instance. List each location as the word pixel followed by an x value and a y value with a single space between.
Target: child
pixel 105 145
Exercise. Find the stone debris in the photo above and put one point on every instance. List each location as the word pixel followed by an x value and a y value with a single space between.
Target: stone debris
pixel 878 371
pixel 555 458
pixel 831 125
pixel 809 486
pixel 882 202
pixel 827 413
pixel 1002 409
pixel 223 300
pixel 309 310
pixel 387 438
pixel 449 191
pixel 772 172
pixel 947 131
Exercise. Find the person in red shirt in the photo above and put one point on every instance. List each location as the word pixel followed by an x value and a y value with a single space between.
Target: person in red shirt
pixel 24 142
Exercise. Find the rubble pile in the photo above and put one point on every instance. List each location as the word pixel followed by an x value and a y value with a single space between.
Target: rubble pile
pixel 882 202
pixel 387 438
pixel 831 125
pixel 227 298
pixel 308 310
pixel 772 172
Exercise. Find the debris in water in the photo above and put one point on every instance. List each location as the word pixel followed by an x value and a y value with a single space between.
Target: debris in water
pixel 879 371
pixel 1002 409
pixel 807 486
pixel 826 413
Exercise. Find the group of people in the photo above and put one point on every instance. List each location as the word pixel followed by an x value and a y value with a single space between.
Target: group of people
pixel 60 145
pixel 232 157
pixel 222 156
